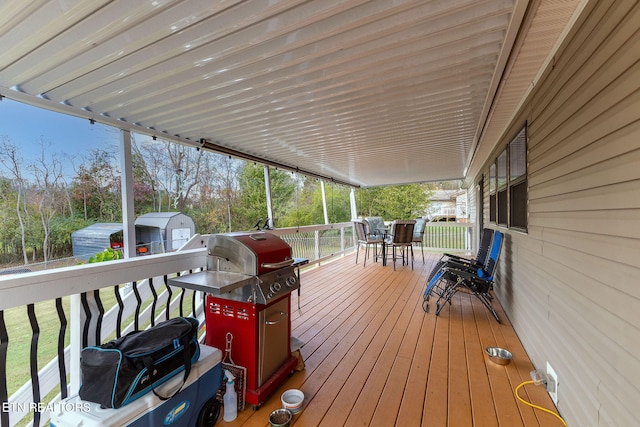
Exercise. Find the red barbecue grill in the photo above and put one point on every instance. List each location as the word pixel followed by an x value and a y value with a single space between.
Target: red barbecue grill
pixel 248 281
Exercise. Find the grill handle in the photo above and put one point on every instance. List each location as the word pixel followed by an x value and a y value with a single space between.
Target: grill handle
pixel 274 265
pixel 281 316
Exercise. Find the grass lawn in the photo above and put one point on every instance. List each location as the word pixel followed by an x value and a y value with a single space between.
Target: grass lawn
pixel 20 333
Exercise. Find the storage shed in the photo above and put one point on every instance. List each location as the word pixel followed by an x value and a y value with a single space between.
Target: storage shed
pixel 95 238
pixel 175 228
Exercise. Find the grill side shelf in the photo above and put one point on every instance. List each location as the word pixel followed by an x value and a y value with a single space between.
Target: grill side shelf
pixel 213 282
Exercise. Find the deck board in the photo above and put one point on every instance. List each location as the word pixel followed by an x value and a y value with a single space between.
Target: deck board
pixel 373 357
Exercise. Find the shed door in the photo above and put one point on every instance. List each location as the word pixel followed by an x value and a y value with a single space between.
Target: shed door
pixel 179 236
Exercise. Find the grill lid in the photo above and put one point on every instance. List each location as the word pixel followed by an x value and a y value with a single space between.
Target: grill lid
pixel 251 253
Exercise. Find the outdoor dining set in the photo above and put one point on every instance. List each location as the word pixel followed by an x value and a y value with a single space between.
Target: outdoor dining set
pixel 399 237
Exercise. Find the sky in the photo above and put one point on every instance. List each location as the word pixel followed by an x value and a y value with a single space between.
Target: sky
pixel 27 127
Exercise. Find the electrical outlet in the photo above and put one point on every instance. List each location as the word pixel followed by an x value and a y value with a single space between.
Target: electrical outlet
pixel 552 384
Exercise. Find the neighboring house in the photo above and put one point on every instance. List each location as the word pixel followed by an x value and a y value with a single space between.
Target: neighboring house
pixel 448 205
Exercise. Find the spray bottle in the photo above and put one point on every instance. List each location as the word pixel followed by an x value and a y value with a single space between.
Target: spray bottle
pixel 230 398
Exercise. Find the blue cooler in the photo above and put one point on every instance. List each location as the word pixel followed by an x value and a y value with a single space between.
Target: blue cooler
pixel 195 405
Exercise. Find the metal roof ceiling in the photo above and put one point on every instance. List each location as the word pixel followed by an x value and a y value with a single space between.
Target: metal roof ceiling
pixel 365 92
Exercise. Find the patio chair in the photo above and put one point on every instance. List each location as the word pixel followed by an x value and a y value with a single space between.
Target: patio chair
pixel 418 234
pixel 367 239
pixel 481 256
pixel 376 226
pixel 400 235
pixel 478 282
pixel 437 281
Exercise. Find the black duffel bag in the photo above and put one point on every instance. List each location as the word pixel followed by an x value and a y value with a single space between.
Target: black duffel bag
pixel 122 370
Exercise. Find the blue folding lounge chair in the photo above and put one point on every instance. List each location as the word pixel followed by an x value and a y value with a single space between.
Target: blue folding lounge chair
pixel 449 260
pixel 486 238
pixel 478 282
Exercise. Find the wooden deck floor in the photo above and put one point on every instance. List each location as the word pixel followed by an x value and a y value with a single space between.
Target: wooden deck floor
pixel 373 357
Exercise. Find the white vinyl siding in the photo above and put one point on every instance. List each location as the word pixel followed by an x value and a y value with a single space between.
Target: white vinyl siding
pixel 571 285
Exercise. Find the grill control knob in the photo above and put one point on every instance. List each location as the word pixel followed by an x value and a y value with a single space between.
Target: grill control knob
pixel 291 281
pixel 275 287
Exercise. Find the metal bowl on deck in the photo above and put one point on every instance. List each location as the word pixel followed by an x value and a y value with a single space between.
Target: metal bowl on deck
pixel 499 355
pixel 280 418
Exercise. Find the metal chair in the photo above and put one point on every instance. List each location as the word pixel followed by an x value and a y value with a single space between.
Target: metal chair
pixel 367 239
pixel 418 234
pixel 436 282
pixel 400 236
pixel 478 282
pixel 376 226
pixel 483 251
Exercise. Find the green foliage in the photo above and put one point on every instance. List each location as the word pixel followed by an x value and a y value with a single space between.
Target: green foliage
pixel 338 203
pixel 252 200
pixel 61 229
pixel 306 206
pixel 394 202
pixel 96 188
pixel 108 254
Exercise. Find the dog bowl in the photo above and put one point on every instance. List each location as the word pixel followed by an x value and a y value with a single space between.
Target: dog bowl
pixel 292 400
pixel 280 418
pixel 499 355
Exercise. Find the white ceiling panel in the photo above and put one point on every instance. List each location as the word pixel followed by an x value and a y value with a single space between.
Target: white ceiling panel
pixel 365 93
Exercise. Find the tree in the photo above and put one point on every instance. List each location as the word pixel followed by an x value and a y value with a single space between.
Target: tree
pixel 10 235
pixel 306 208
pixel 303 206
pixel 186 162
pixel 149 166
pixel 97 187
pixel 13 162
pixel 338 203
pixel 61 229
pixel 47 171
pixel 253 199
pixel 171 171
pixel 223 182
pixel 394 202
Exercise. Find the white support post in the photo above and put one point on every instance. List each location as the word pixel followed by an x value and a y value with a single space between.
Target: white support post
pixel 324 203
pixel 317 243
pixel 128 219
pixel 267 186
pixel 77 318
pixel 352 199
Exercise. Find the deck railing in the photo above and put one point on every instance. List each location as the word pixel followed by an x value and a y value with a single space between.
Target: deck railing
pixel 47 317
pixel 449 236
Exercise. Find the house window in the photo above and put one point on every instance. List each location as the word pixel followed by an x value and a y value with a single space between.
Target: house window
pixel 508 184
pixel 518 180
pixel 492 193
pixel 501 169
